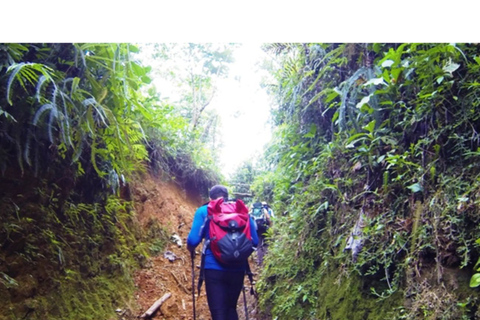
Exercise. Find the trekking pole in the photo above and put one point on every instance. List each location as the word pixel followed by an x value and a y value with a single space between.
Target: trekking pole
pixel 245 303
pixel 192 255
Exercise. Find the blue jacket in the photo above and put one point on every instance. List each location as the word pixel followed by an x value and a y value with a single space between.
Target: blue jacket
pixel 200 231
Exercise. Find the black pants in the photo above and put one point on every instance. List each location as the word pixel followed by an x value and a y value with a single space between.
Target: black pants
pixel 223 289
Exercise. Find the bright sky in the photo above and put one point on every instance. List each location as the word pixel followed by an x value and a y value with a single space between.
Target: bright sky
pixel 244 108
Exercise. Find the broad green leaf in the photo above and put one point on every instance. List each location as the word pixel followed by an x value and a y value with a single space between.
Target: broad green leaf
pixel 377 47
pixel 357 137
pixel 450 67
pixel 374 81
pixel 335 116
pixel 387 63
pixel 386 75
pixel 364 100
pixel 137 69
pixel 396 73
pixel 366 109
pixel 133 48
pixel 416 187
pixel 475 280
pixel 381 158
pixel 146 79
pixel 370 126
pixel 332 95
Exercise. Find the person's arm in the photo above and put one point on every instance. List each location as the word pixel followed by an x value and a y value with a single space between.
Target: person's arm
pixel 197 232
pixel 270 211
pixel 270 216
pixel 267 215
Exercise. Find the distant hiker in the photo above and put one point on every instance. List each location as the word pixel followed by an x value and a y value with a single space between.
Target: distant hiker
pixel 269 210
pixel 222 274
pixel 262 213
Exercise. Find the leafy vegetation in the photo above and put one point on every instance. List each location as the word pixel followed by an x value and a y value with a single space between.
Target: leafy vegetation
pixel 372 170
pixel 189 75
pixel 78 122
pixel 375 166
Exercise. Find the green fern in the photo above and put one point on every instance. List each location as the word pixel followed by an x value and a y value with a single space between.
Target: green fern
pixel 26 73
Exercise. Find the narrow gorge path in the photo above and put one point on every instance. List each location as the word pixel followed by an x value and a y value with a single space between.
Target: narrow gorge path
pixel 165 204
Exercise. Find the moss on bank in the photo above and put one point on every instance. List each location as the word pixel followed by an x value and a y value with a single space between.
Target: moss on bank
pixel 349 297
pixel 65 259
pixel 89 299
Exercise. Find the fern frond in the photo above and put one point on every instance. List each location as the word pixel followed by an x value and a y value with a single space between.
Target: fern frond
pixel 326 58
pixel 52 117
pixel 26 151
pixel 28 74
pixel 102 61
pixel 15 51
pixel 93 160
pixel 38 89
pixel 277 48
pixel 144 135
pixel 40 111
pixel 7 115
pixel 54 95
pixel 98 108
pixel 89 101
pixel 65 82
pixel 16 69
pixel 23 72
pixel 66 121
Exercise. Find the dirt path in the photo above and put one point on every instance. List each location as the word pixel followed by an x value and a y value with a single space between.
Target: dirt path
pixel 166 203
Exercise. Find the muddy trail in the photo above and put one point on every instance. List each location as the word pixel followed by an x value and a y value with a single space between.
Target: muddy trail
pixel 170 272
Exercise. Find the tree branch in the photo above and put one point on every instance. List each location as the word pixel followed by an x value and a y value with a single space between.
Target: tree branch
pixel 155 306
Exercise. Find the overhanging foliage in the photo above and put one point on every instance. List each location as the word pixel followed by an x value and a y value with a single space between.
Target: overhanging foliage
pixel 75 128
pixel 376 151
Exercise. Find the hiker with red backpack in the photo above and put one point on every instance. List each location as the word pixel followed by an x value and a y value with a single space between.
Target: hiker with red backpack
pixel 230 238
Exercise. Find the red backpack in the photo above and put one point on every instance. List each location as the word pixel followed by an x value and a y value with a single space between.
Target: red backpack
pixel 230 238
